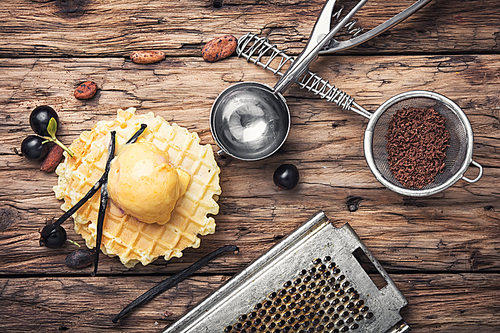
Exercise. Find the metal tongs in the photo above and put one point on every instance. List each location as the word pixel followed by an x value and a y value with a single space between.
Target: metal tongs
pixel 321 35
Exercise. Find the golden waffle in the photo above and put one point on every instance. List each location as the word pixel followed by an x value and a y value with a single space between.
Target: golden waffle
pixel 134 241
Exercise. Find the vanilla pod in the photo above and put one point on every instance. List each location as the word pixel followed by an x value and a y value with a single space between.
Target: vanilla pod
pixel 172 281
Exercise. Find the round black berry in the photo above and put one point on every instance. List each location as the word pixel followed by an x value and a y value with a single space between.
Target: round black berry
pixel 33 148
pixel 55 238
pixel 40 117
pixel 286 176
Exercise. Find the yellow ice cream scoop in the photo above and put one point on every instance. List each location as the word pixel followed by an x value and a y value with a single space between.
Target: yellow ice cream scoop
pixel 144 184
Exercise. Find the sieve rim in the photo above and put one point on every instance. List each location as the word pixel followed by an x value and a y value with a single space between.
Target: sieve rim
pixel 368 149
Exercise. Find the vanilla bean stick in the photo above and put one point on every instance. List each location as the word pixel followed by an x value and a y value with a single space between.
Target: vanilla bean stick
pixel 104 200
pixel 172 281
pixel 137 134
pixel 47 230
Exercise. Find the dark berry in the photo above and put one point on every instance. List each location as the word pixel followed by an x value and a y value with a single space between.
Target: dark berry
pixel 33 148
pixel 40 117
pixel 286 176
pixel 55 238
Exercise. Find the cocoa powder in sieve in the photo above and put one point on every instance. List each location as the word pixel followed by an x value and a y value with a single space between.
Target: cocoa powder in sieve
pixel 416 143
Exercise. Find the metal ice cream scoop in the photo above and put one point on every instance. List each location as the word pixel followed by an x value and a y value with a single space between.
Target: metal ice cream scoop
pixel 250 120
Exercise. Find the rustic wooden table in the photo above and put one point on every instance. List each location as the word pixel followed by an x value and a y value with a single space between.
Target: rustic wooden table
pixel 442 251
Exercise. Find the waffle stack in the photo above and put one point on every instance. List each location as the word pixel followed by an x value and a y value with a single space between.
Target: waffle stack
pixel 123 235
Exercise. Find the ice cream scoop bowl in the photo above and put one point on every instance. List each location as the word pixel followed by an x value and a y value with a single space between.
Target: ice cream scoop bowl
pixel 249 121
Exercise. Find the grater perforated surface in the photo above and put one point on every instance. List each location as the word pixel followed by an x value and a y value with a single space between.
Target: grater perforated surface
pixel 318 299
pixel 311 281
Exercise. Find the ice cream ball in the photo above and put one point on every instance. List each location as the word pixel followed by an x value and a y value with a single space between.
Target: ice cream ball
pixel 144 184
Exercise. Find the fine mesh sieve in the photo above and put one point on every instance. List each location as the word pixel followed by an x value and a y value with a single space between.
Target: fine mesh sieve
pixel 458 154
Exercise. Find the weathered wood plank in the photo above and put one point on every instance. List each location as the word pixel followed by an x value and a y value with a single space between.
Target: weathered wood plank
pixel 415 241
pixel 436 302
pixel 456 230
pixel 442 251
pixel 180 28
pixel 182 90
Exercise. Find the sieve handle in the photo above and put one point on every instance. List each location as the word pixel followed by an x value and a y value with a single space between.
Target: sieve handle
pixel 355 107
pixel 478 177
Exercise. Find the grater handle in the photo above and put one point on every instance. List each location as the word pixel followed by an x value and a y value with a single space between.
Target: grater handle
pixel 374 263
pixel 478 177
pixel 389 284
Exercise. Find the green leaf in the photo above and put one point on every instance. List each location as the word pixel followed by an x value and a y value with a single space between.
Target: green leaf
pixel 52 127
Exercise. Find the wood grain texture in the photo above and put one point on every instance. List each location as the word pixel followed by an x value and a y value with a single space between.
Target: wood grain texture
pixel 91 28
pixel 455 230
pixel 442 251
pixel 436 303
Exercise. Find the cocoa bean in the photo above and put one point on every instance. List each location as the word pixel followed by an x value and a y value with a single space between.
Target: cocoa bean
pixel 219 48
pixel 86 90
pixel 147 57
pixel 80 258
pixel 52 159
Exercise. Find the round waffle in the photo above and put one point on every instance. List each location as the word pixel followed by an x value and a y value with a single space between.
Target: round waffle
pixel 123 235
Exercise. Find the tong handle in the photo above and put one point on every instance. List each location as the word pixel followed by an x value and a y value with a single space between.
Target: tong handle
pixel 338 46
pixel 301 64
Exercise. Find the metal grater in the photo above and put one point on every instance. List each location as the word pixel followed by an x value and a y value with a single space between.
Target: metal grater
pixel 311 281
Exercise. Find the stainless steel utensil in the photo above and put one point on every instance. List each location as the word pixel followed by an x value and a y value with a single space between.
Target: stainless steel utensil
pixel 251 120
pixel 313 280
pixel 335 46
pixel 459 155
